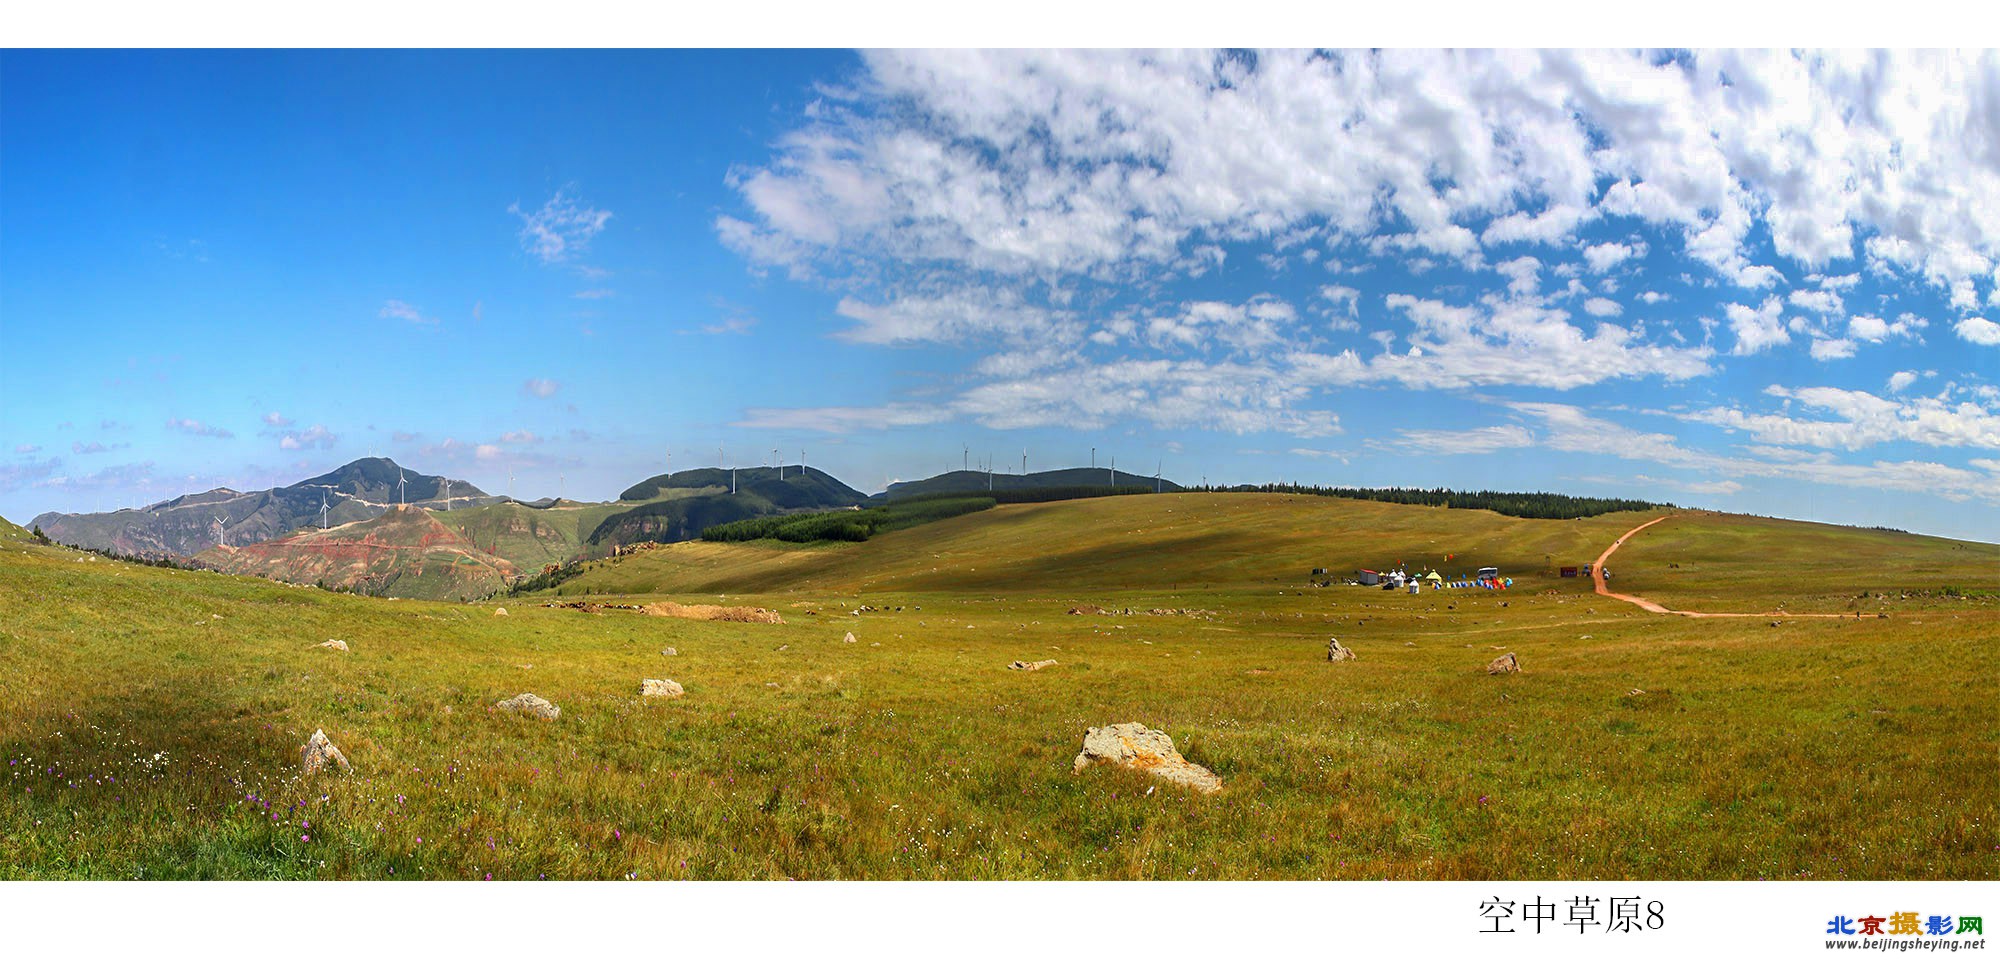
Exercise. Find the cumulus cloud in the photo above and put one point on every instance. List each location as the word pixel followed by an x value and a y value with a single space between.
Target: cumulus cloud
pixel 1858 419
pixel 315 437
pixel 189 426
pixel 1603 308
pixel 1568 428
pixel 1604 257
pixel 1757 328
pixel 560 229
pixel 541 387
pixel 1978 331
pixel 1867 327
pixel 277 420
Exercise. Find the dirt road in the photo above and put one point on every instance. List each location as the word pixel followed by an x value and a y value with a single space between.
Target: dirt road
pixel 1597 578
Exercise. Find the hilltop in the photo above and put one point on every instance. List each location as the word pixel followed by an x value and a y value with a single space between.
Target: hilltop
pixel 186 526
pixel 13 532
pixel 404 551
pixel 979 481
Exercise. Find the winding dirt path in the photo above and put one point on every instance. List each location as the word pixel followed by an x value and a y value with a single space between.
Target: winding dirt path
pixel 1597 578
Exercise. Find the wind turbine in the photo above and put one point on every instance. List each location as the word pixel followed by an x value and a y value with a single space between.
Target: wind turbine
pixel 219 534
pixel 781 465
pixel 965 459
pixel 322 508
pixel 510 483
pixel 1093 456
pixel 1156 476
pixel 1024 461
pixel 447 494
pixel 989 472
pixel 1114 469
pixel 400 496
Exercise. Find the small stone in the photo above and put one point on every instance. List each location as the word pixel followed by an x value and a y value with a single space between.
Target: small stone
pixel 663 688
pixel 319 752
pixel 1031 666
pixel 531 704
pixel 670 650
pixel 1503 665
pixel 1134 746
pixel 1335 652
pixel 848 638
pixel 335 644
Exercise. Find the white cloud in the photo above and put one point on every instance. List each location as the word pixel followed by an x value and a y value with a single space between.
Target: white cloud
pixel 1604 257
pixel 1603 308
pixel 277 420
pixel 1867 327
pixel 1571 429
pixel 404 312
pixel 1978 331
pixel 1831 349
pixel 522 437
pixel 1822 301
pixel 315 437
pixel 1757 328
pixel 1860 419
pixel 1472 441
pixel 189 426
pixel 1901 380
pixel 560 229
pixel 594 294
pixel 541 387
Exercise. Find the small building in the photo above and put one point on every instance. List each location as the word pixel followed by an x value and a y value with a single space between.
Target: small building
pixel 1367 577
pixel 1489 571
pixel 1569 571
pixel 1319 571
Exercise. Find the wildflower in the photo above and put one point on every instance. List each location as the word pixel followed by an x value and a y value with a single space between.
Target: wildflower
pixel 305 838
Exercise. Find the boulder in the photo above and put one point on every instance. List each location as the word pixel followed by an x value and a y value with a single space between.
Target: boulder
pixel 663 688
pixel 1134 746
pixel 1086 610
pixel 335 644
pixel 1335 652
pixel 1031 666
pixel 1503 665
pixel 319 752
pixel 848 638
pixel 670 650
pixel 531 704
pixel 500 611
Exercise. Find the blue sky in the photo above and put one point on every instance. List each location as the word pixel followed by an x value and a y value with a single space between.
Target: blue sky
pixel 1753 282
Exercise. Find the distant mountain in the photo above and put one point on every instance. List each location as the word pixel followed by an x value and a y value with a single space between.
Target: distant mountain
pixel 677 507
pixel 800 488
pixel 187 525
pixel 978 481
pixel 401 551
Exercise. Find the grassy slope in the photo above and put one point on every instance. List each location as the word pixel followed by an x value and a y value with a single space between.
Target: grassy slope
pixel 1822 750
pixel 1737 563
pixel 1134 541
pixel 13 532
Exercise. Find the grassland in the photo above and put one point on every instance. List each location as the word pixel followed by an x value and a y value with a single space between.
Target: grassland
pixel 153 716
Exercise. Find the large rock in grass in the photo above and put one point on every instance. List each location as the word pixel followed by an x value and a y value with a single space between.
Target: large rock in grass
pixel 1031 666
pixel 661 688
pixel 1503 665
pixel 530 704
pixel 337 645
pixel 1134 746
pixel 319 752
pixel 1335 652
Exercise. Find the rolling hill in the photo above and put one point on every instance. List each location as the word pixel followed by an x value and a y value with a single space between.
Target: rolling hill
pixel 979 481
pixel 184 527
pixel 1631 745
pixel 1229 540
pixel 402 552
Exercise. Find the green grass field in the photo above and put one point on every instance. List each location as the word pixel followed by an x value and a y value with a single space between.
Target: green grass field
pixel 153 717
